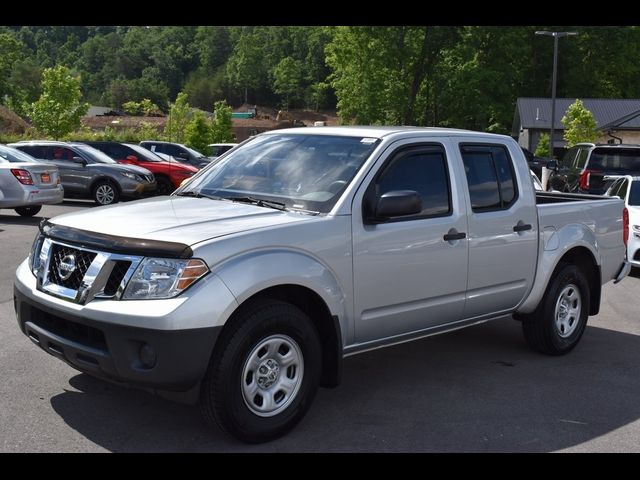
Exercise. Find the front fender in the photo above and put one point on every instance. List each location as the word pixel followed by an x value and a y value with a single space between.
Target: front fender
pixel 555 246
pixel 256 270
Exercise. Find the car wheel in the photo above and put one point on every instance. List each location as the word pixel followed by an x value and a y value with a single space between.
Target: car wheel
pixel 28 211
pixel 105 193
pixel 165 187
pixel 557 324
pixel 263 379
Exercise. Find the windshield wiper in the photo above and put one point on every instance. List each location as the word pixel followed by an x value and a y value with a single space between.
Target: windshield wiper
pixel 197 195
pixel 259 202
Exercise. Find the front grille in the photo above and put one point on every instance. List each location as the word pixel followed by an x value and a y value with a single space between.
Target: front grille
pixel 82 260
pixel 76 332
pixel 117 274
pixel 149 178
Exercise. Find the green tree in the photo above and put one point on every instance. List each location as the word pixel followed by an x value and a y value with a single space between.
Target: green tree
pixel 10 53
pixel 288 79
pixel 198 132
pixel 222 125
pixel 544 146
pixel 579 124
pixel 179 115
pixel 58 110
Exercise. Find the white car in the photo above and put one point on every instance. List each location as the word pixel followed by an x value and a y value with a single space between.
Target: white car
pixel 26 184
pixel 627 188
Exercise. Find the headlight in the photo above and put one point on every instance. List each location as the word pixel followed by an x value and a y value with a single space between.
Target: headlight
pixel 157 278
pixel 132 176
pixel 34 255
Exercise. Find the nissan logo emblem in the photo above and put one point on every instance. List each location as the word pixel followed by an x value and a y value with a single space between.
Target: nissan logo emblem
pixel 67 266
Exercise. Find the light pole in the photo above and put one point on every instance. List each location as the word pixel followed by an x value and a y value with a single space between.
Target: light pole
pixel 555 36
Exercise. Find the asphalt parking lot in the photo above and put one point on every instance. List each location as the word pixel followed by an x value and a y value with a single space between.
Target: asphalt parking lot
pixel 475 390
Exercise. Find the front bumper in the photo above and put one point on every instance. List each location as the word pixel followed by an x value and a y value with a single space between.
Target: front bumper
pixel 135 189
pixel 166 360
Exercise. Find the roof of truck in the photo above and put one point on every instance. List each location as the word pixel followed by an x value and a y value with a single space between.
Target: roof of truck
pixel 377 131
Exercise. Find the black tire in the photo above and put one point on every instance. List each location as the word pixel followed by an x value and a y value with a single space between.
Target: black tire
pixel 541 330
pixel 222 400
pixel 105 193
pixel 28 211
pixel 165 187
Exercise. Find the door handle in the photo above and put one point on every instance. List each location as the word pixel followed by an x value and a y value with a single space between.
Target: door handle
pixel 454 236
pixel 521 227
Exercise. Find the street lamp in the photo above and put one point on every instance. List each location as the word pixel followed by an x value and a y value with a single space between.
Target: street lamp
pixel 555 36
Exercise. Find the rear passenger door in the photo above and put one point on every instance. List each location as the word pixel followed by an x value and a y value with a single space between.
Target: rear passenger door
pixel 503 230
pixel 407 276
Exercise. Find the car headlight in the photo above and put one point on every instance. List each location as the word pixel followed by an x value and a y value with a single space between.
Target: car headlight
pixel 130 175
pixel 35 261
pixel 157 278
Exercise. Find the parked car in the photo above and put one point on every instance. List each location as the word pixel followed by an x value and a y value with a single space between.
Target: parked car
pixel 88 173
pixel 584 166
pixel 535 162
pixel 180 152
pixel 218 149
pixel 169 174
pixel 303 246
pixel 26 184
pixel 627 188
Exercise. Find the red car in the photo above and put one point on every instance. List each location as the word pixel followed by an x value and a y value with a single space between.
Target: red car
pixel 169 174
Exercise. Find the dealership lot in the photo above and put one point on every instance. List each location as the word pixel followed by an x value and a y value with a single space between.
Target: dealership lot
pixel 478 389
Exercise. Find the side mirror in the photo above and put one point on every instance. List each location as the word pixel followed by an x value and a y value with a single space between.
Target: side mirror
pixel 398 203
pixel 132 158
pixel 79 160
pixel 552 165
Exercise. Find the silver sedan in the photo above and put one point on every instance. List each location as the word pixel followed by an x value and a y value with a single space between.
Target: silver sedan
pixel 26 184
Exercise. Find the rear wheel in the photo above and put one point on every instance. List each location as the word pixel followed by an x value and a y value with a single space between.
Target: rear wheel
pixel 28 211
pixel 105 193
pixel 263 380
pixel 165 187
pixel 557 325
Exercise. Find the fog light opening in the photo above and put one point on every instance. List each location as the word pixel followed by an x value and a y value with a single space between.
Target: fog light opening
pixel 147 355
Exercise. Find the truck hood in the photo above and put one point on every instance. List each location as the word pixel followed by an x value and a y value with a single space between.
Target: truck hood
pixel 176 219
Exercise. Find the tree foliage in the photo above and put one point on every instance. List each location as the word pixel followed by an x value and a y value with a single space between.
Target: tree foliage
pixel 544 146
pixel 222 127
pixel 179 115
pixel 198 132
pixel 579 124
pixel 59 108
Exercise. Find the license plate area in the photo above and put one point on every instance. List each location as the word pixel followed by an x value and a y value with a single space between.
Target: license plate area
pixel 45 178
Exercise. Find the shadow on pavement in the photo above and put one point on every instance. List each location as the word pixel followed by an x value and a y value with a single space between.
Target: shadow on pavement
pixel 18 220
pixel 475 390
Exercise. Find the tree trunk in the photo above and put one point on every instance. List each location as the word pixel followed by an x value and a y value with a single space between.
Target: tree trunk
pixel 418 75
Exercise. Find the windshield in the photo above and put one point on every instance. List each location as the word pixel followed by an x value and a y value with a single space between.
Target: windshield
pixel 303 171
pixel 615 159
pixel 95 154
pixel 143 153
pixel 13 155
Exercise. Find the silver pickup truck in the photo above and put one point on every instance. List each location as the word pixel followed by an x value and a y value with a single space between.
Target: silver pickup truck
pixel 246 288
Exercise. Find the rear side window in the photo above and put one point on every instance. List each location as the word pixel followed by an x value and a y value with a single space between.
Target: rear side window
pixel 424 170
pixel 624 187
pixel 33 150
pixel 570 156
pixel 583 154
pixel 490 177
pixel 634 194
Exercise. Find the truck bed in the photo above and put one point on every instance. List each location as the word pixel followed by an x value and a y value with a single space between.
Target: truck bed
pixel 559 197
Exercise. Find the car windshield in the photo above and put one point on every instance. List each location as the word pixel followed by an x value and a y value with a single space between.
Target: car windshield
pixel 13 155
pixel 95 154
pixel 193 152
pixel 615 159
pixel 634 194
pixel 143 153
pixel 303 171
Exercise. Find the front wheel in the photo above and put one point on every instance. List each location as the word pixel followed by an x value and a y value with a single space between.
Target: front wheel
pixel 263 379
pixel 105 193
pixel 28 211
pixel 557 325
pixel 165 187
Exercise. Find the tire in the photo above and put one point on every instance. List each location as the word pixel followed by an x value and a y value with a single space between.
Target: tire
pixel 557 324
pixel 105 193
pixel 28 211
pixel 165 187
pixel 243 391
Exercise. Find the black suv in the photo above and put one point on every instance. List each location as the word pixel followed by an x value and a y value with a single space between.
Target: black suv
pixel 585 165
pixel 180 152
